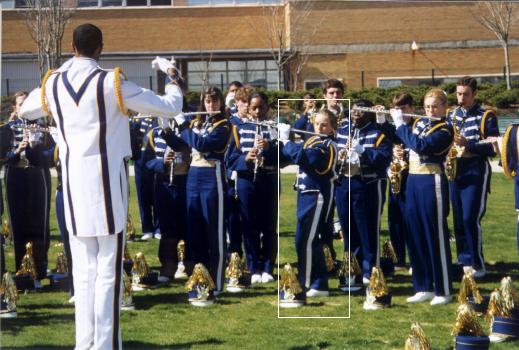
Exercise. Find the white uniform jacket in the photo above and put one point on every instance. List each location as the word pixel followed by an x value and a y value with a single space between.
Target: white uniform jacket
pixel 94 140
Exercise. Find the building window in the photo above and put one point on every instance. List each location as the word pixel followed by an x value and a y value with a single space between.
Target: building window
pixel 259 73
pixel 20 4
pixel 231 2
pixel 438 80
pixel 124 3
pixel 313 84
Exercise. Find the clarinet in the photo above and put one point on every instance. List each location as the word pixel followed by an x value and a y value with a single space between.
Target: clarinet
pixel 172 172
pixel 257 160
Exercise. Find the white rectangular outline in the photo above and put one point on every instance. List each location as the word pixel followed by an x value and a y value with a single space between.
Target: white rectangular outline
pixel 279 207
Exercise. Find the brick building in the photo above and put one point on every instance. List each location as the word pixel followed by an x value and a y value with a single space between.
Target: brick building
pixel 218 41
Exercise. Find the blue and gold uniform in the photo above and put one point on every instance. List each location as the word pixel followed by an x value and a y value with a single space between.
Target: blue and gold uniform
pixel 205 240
pixel 144 178
pixel 257 195
pixel 510 162
pixel 471 184
pixel 316 158
pixel 232 213
pixel 170 195
pixel 427 204
pixel 28 186
pixel 361 191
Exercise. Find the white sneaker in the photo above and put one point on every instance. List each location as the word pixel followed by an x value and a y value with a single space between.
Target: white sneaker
pixel 72 300
pixel 365 281
pixel 256 278
pixel 37 284
pixel 441 300
pixel 468 269
pixel 410 271
pixel 420 297
pixel 315 293
pixel 146 236
pixel 163 279
pixel 497 338
pixel 266 277
pixel 158 235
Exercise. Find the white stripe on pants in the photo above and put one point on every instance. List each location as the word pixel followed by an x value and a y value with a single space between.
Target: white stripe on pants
pixel 94 270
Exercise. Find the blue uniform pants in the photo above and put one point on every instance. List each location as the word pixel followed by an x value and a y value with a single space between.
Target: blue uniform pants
pixel 60 217
pixel 360 216
pixel 205 240
pixel 516 191
pixel 232 215
pixel 427 208
pixel 468 193
pixel 311 219
pixel 144 186
pixel 396 222
pixel 170 202
pixel 258 212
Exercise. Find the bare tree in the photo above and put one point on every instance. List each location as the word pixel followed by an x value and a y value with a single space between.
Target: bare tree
pixel 499 17
pixel 46 20
pixel 284 29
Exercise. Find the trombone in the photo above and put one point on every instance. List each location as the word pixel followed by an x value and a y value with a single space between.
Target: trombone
pixel 385 111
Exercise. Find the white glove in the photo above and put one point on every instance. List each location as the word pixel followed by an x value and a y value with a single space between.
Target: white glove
pixel 284 131
pixel 358 148
pixel 180 118
pixel 162 64
pixel 398 118
pixel 164 122
pixel 229 99
pixel 273 133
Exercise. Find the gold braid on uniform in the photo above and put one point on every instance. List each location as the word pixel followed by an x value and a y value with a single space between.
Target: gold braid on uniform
pixel 44 105
pixel 504 160
pixel 118 91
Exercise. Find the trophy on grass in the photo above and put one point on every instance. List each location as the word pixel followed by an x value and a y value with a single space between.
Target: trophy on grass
pixel 181 274
pixel 239 279
pixel 26 274
pixel 127 299
pixel 417 340
pixel 377 294
pixel 200 287
pixel 350 274
pixel 467 330
pixel 8 297
pixel 469 293
pixel 130 229
pixel 142 276
pixel 291 295
pixel 503 312
pixel 59 279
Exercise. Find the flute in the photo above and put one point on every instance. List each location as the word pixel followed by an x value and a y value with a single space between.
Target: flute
pixel 273 124
pixel 385 111
pixel 188 114
pixel 34 128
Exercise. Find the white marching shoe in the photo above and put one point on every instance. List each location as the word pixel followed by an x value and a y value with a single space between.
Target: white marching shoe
pixel 255 279
pixel 441 300
pixel 315 293
pixel 266 277
pixel 420 297
pixel 146 236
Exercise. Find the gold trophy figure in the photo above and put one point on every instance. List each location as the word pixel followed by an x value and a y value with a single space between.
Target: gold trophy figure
pixel 234 272
pixel 417 340
pixel 25 277
pixel 290 293
pixel 200 287
pixel 181 274
pixel 130 229
pixel 142 276
pixel 348 273
pixel 127 298
pixel 8 297
pixel 377 294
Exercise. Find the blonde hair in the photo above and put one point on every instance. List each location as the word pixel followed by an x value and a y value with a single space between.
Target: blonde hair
pixel 437 94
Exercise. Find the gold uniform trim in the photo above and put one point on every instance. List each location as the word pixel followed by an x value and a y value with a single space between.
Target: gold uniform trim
pixel 118 90
pixel 504 160
pixel 44 104
pixel 236 137
pixel 151 140
pixel 483 120
pixel 422 169
pixel 330 162
pixel 379 140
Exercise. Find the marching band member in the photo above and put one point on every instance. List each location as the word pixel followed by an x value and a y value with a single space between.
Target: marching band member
pixel 230 101
pixel 89 105
pixel 144 178
pixel 427 199
pixel 305 120
pixel 316 158
pixel 471 183
pixel 28 186
pixel 205 240
pixel 254 157
pixel 364 156
pixel 171 164
pixel 510 162
pixel 397 177
pixel 241 101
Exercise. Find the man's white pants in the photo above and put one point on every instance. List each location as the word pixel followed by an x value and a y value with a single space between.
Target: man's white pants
pixel 97 269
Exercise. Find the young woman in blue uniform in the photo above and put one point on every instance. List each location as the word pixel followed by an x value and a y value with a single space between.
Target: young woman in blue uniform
pixel 365 154
pixel 427 199
pixel 316 159
pixel 254 157
pixel 208 139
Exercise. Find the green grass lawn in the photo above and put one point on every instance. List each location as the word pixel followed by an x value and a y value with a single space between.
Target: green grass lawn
pixel 164 320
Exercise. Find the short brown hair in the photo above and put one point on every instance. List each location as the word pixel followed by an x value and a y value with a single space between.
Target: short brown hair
pixel 243 93
pixel 468 81
pixel 402 99
pixel 16 95
pixel 333 83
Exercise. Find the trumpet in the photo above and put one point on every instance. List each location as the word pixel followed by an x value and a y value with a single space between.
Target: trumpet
pixel 385 111
pixel 273 124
